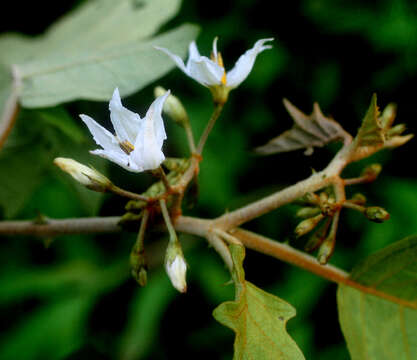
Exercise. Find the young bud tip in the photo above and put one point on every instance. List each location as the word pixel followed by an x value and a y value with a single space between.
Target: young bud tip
pixel 172 107
pixel 377 214
pixel 176 271
pixel 85 175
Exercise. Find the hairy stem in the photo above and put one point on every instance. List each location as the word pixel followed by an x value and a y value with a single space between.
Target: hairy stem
pixel 216 113
pixel 190 137
pixel 167 219
pixel 130 195
pixel 53 227
pixel 240 216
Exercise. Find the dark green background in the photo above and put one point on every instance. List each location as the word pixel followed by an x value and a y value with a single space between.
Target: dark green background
pixel 75 300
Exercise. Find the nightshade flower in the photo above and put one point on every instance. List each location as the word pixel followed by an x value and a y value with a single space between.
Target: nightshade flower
pixel 211 72
pixel 137 144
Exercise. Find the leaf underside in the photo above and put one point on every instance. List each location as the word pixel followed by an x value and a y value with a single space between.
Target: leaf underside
pixel 101 45
pixel 309 131
pixel 258 319
pixel 377 327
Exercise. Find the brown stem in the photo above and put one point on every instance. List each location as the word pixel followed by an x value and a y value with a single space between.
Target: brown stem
pixel 295 257
pixel 9 116
pixel 199 227
pixel 53 227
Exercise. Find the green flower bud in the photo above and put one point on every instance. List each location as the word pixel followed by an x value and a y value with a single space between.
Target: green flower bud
pixel 376 214
pixel 307 212
pixel 326 249
pixel 307 225
pixel 358 199
pixel 388 115
pixel 372 171
pixel 396 130
pixel 173 107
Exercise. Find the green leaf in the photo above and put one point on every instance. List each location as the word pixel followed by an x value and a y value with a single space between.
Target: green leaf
pixel 146 311
pixel 43 142
pixel 382 325
pixel 61 120
pixel 95 25
pixel 315 130
pixel 371 132
pixel 94 74
pixel 101 45
pixel 258 319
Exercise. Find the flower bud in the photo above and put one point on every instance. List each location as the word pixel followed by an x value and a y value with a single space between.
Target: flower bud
pixel 307 225
pixel 175 266
pixel 372 171
pixel 85 175
pixel 317 238
pixel 396 130
pixel 307 212
pixel 376 214
pixel 388 115
pixel 358 199
pixel 173 107
pixel 326 249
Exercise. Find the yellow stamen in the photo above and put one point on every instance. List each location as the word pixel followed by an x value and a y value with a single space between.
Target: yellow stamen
pixel 126 146
pixel 219 61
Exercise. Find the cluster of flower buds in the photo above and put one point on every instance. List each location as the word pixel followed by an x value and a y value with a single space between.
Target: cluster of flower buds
pixel 322 214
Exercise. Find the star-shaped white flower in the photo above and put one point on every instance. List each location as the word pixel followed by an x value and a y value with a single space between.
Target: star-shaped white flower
pixel 210 71
pixel 137 144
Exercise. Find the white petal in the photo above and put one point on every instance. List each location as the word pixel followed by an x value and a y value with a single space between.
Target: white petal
pixel 206 71
pixel 174 57
pixel 101 136
pixel 215 48
pixel 126 123
pixel 245 63
pixel 120 158
pixel 193 53
pixel 154 114
pixel 148 145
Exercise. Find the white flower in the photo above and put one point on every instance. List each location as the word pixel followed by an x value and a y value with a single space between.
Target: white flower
pixel 176 270
pixel 211 72
pixel 137 145
pixel 85 175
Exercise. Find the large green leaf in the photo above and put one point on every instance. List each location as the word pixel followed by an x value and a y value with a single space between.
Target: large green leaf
pixel 146 311
pixel 93 26
pixel 382 325
pixel 258 319
pixel 52 133
pixel 94 74
pixel 101 45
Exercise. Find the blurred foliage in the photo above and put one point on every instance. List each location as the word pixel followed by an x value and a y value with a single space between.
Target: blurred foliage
pixel 75 299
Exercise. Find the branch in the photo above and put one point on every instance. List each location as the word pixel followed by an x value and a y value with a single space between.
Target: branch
pixel 54 227
pixel 199 227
